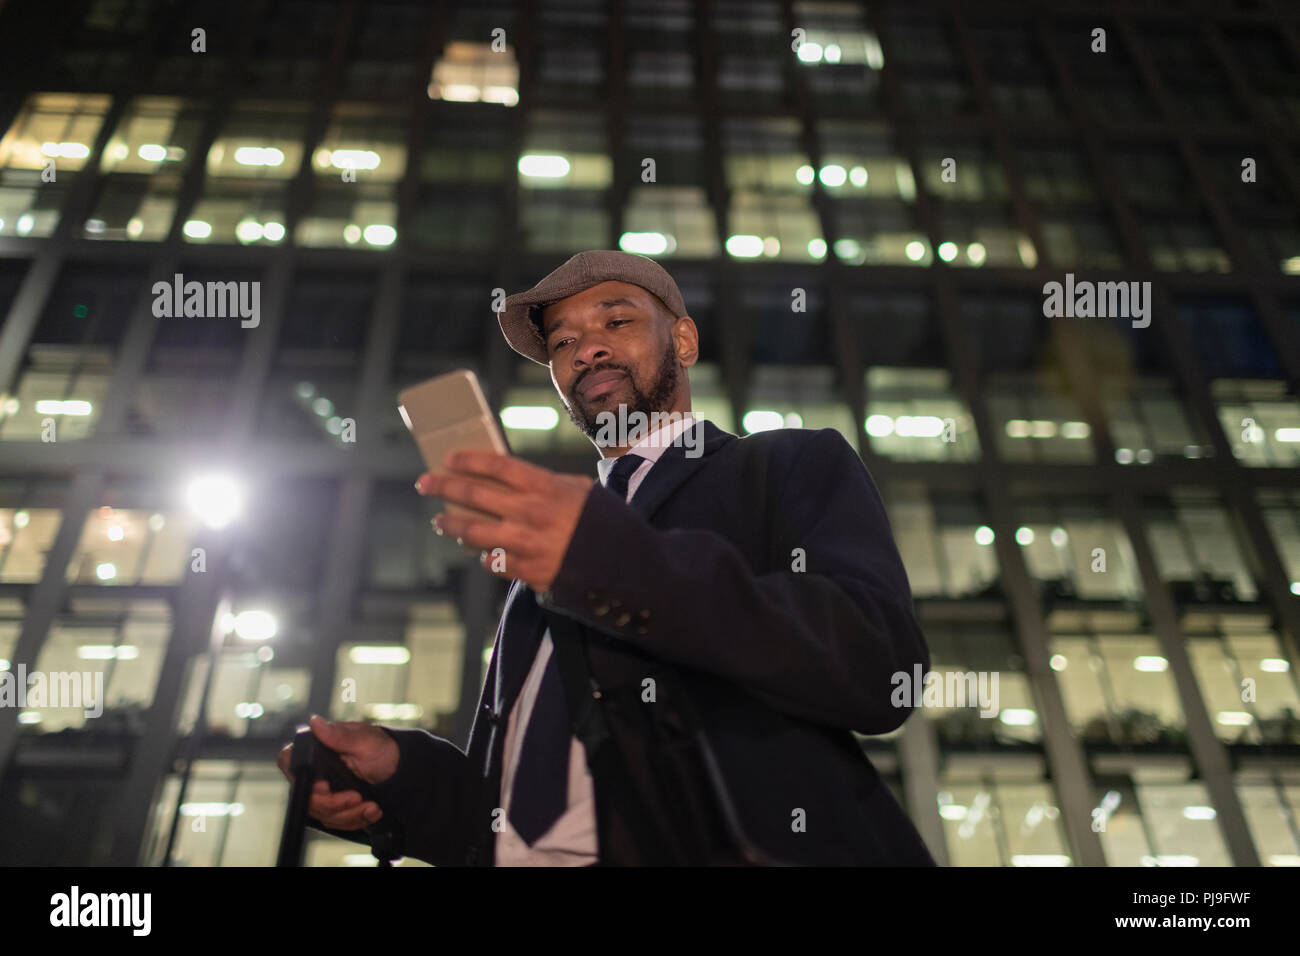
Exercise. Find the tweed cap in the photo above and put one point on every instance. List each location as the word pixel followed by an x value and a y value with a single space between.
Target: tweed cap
pixel 519 320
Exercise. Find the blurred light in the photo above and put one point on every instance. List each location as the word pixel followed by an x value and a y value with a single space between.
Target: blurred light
pixel 1059 662
pixel 305 390
pixel 833 175
pixel 248 230
pixel 250 710
pixel 1059 537
pixel 1017 428
pixel 1075 430
pixel 1170 859
pixel 351 233
pixel 197 229
pixel 804 175
pixel 771 246
pixel 266 655
pixel 1042 429
pixel 1028 254
pixel 25 224
pixel 817 248
pixel 1124 456
pixel 354 159
pixel 947 251
pixel 793 420
pixel 258 156
pixel 95 226
pixel 918 426
pixel 379 235
pixel 211 809
pixel 115 533
pixel 152 153
pixel 108 652
pixel 1040 859
pixel 530 417
pixel 915 250
pixel 832 53
pixel 505 95
pixel 1278 665
pixel 953 812
pixel 880 426
pixel 1287 434
pixel 745 247
pixel 322 406
pixel 543 166
pixel 809 52
pixel 29 717
pixel 848 250
pixel 762 420
pixel 1198 813
pixel 1024 536
pixel 66 150
pixel 875 55
pixel 975 253
pixel 68 407
pixel 1234 718
pixel 255 625
pixel 273 231
pixel 376 654
pixel 858 176
pixel 21 518
pixel 396 711
pixel 984 535
pixel 1018 717
pixel 215 499
pixel 644 243
pixel 1151 664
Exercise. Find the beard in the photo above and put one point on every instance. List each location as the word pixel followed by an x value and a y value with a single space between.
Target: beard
pixel 662 389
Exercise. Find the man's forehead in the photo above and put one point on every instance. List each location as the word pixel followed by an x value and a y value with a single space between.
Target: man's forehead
pixel 602 292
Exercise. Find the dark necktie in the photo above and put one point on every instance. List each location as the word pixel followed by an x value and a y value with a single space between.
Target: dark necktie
pixel 540 792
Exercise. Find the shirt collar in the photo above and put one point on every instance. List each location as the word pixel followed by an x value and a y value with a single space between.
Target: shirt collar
pixel 651 446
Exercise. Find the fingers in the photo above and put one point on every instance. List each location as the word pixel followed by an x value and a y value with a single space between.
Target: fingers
pixel 478 493
pixel 479 535
pixel 506 469
pixel 352 815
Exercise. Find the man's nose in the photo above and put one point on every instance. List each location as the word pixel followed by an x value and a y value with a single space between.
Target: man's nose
pixel 592 348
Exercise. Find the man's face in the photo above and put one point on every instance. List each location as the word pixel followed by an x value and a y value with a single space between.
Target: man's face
pixel 611 345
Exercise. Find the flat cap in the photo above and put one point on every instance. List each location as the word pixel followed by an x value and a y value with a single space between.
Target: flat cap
pixel 519 320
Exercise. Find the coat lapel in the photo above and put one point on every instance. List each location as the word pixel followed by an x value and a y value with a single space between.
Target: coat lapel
pixel 522 620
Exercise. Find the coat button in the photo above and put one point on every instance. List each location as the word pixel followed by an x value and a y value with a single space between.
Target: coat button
pixel 623 619
pixel 489 714
pixel 601 610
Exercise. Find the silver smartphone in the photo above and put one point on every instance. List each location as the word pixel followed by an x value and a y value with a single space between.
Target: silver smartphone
pixel 447 413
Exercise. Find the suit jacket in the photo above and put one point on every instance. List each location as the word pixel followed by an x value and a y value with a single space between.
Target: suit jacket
pixel 741 616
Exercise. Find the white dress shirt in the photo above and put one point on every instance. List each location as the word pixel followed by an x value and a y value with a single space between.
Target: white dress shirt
pixel 571 841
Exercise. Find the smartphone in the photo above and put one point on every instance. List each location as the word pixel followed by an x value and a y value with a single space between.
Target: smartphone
pixel 449 413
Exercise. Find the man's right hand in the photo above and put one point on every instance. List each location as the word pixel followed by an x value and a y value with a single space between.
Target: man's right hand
pixel 367 751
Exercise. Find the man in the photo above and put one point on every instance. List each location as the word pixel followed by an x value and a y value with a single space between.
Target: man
pixel 720 614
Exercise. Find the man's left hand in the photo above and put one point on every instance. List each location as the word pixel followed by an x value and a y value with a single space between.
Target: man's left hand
pixel 538 509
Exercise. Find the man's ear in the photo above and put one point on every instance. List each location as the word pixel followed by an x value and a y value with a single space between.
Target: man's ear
pixel 686 340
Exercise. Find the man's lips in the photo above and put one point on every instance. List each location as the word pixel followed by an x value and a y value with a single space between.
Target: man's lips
pixel 600 383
